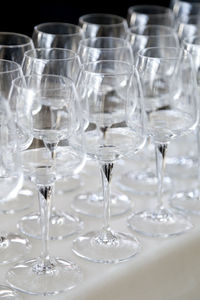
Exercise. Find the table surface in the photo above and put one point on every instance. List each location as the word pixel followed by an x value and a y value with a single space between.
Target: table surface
pixel 166 269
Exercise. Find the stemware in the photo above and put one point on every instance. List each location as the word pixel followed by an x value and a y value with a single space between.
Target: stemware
pixel 184 9
pixel 98 25
pixel 9 70
pixel 14 45
pixel 189 200
pixel 187 27
pixel 140 15
pixel 104 87
pixel 47 106
pixel 57 61
pixel 57 35
pixel 12 246
pixel 93 49
pixel 169 88
pixel 144 181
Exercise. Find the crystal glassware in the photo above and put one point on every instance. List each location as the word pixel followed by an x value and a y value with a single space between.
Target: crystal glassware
pixel 140 15
pixel 100 24
pixel 144 181
pixel 48 108
pixel 189 200
pixel 57 61
pixel 92 49
pixel 169 87
pixel 57 35
pixel 13 246
pixel 105 87
pixel 14 45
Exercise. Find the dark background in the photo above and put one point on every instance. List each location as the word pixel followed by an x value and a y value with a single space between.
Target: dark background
pixel 22 16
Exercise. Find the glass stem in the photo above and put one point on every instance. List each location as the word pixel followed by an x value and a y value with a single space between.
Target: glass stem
pixel 160 150
pixel 106 174
pixel 198 157
pixel 45 199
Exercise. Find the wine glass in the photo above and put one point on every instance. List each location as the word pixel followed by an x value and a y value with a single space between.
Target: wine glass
pixel 189 201
pixel 140 15
pixel 48 107
pixel 98 25
pixel 93 49
pixel 144 181
pixel 9 70
pixel 57 35
pixel 14 45
pixel 169 87
pixel 184 9
pixel 104 87
pixel 12 246
pixel 187 27
pixel 57 61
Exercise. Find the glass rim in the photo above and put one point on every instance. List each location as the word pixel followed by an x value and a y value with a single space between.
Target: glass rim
pixel 132 68
pixel 121 19
pixel 75 55
pixel 65 79
pixel 15 65
pixel 29 40
pixel 78 32
pixel 152 26
pixel 124 41
pixel 175 57
pixel 166 10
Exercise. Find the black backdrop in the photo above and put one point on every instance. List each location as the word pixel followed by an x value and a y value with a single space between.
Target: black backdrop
pixel 21 16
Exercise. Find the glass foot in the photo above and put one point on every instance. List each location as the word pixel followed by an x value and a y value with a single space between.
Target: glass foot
pixel 22 202
pixel 34 278
pixel 91 204
pixel 8 294
pixel 62 225
pixel 188 202
pixel 13 247
pixel 159 223
pixel 68 185
pixel 143 182
pixel 106 248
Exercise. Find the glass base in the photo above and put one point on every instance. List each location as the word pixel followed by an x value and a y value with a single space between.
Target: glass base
pixel 142 183
pixel 159 223
pixel 13 247
pixel 62 225
pixel 188 202
pixel 22 202
pixel 34 278
pixel 106 248
pixel 68 185
pixel 8 294
pixel 92 204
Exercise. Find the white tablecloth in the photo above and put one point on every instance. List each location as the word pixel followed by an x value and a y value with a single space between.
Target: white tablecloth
pixel 165 269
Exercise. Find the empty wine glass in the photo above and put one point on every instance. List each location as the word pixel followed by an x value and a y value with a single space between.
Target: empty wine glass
pixel 9 70
pixel 98 25
pixel 104 87
pixel 93 49
pixel 12 246
pixel 187 27
pixel 140 15
pixel 57 35
pixel 14 45
pixel 189 200
pixel 48 107
pixel 184 9
pixel 144 181
pixel 57 61
pixel 169 87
